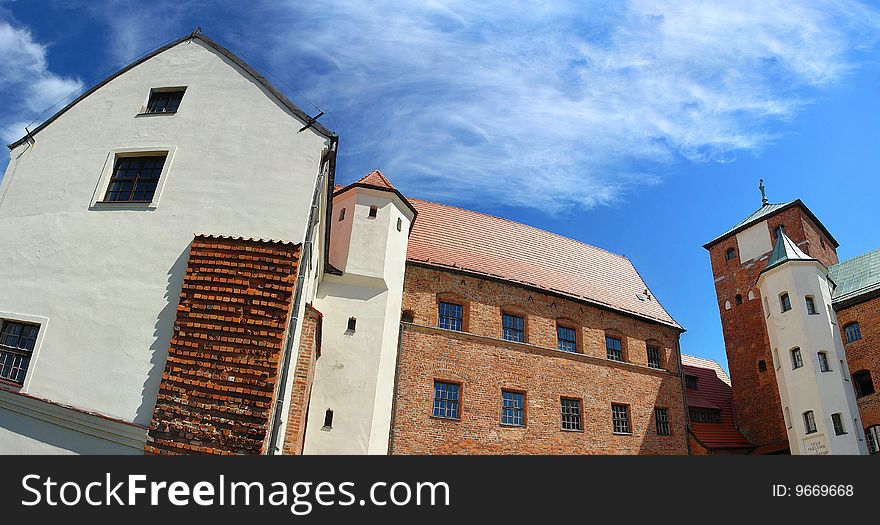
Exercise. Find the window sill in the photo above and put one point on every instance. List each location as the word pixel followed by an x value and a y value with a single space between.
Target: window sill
pixel 811 433
pixel 572 430
pixel 156 113
pixel 115 205
pixel 622 433
pixel 445 418
pixel 504 425
pixel 8 383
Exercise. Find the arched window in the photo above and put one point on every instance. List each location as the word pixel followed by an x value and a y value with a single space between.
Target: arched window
pixel 823 362
pixel 731 254
pixel 727 305
pixel 797 360
pixel 739 299
pixel 784 302
pixel 776 362
pixel 762 366
pixel 811 305
pixel 852 332
pixel 863 383
pixel 787 415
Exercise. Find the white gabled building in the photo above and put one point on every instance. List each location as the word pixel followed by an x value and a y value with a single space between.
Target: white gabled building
pixel 812 373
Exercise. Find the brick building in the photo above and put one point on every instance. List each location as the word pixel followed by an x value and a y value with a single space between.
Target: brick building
pixel 739 258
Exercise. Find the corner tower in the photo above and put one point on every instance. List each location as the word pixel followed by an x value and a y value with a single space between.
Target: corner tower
pixel 809 361
pixel 738 257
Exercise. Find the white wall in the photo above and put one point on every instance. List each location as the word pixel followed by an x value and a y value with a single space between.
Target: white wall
pixel 108 279
pixel 808 388
pixel 754 241
pixel 354 376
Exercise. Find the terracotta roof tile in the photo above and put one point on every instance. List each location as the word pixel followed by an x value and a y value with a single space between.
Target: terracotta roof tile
pixel 452 237
pixel 713 391
pixel 375 178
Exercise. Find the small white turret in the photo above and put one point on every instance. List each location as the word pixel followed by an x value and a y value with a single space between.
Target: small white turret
pixel 818 401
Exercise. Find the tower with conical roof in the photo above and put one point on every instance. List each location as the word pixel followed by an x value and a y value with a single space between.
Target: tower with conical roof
pixel 808 356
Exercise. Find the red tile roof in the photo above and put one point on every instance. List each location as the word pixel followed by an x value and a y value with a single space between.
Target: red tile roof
pixel 713 391
pixel 451 237
pixel 375 178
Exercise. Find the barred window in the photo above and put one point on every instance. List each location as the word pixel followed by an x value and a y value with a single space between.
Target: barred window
pixel 164 101
pixel 446 400
pixel 837 422
pixel 654 357
pixel 692 382
pixel 512 328
pixel 450 316
pixel 873 435
pixel 785 302
pixel 614 348
pixel 863 383
pixel 17 341
pixel 823 362
pixel 661 416
pixel 571 414
pixel 513 408
pixel 797 360
pixel 811 305
pixel 704 415
pixel 620 418
pixel 853 332
pixel 566 339
pixel 809 422
pixel 135 179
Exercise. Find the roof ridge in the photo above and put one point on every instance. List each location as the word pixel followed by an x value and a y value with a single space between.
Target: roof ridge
pixel 527 226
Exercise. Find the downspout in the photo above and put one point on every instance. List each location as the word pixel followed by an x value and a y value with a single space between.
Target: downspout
pixel 687 417
pixel 394 395
pixel 306 256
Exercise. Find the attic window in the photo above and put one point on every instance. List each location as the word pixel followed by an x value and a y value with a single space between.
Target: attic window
pixel 164 100
pixel 373 211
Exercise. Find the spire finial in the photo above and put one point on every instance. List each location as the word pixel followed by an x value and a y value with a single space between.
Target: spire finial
pixel 764 200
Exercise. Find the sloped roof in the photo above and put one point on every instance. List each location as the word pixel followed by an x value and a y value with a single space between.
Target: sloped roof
pixel 785 250
pixel 856 277
pixel 714 391
pixel 376 180
pixel 766 211
pixel 210 43
pixel 450 237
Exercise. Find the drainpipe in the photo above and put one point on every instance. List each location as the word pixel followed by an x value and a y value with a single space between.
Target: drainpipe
pixel 396 383
pixel 306 256
pixel 687 418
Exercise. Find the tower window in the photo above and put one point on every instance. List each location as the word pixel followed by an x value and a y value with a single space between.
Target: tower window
pixel 620 419
pixel 614 348
pixel 566 339
pixel 571 414
pixel 853 332
pixel 823 362
pixel 451 316
pixel 692 382
pixel 164 100
pixel 654 358
pixel 837 422
pixel 373 211
pixel 731 254
pixel 352 324
pixel 513 408
pixel 762 366
pixel 809 422
pixel 822 243
pixel 797 360
pixel 785 302
pixel 787 416
pixel 873 435
pixel 739 299
pixel 399 224
pixel 446 400
pixel 661 417
pixel 328 419
pixel 811 305
pixel 512 328
pixel 863 384
pixel 342 214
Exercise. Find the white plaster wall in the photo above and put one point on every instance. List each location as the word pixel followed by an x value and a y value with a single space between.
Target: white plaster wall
pixel 808 388
pixel 109 279
pixel 754 241
pixel 354 376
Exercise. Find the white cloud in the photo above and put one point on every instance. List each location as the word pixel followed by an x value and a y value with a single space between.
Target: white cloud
pixel 27 84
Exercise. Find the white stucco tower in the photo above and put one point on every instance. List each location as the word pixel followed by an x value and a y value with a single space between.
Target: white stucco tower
pixel 360 300
pixel 817 397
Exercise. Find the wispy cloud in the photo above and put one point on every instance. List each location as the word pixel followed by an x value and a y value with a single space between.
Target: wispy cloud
pixel 28 85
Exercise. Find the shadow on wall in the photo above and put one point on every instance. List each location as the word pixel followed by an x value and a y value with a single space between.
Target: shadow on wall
pixel 52 438
pixel 675 443
pixel 162 332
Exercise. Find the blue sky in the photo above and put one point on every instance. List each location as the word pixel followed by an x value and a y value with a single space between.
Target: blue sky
pixel 639 126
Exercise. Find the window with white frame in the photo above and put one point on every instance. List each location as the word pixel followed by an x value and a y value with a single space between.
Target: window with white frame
pixel 17 342
pixel 873 435
pixel 809 422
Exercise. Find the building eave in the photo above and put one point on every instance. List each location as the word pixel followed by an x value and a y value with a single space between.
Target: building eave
pixel 749 224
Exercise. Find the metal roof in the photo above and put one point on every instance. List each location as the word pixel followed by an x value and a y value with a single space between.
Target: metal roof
pixel 856 277
pixel 766 211
pixel 785 250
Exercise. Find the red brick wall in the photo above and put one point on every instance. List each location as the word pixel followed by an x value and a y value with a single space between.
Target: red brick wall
pixel 303 376
pixel 484 364
pixel 864 354
pixel 218 386
pixel 757 408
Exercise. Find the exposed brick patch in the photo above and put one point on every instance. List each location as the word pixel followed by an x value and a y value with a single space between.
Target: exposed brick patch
pixel 863 354
pixel 219 381
pixel 303 376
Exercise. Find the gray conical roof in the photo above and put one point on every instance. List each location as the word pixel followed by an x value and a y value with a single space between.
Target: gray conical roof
pixel 784 251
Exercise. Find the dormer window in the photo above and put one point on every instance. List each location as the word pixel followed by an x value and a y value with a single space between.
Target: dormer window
pixel 165 100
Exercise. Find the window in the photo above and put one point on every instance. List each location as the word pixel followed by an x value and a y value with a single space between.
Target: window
pixel 451 316
pixel 512 328
pixel 811 306
pixel 731 254
pixel 374 210
pixel 328 419
pixel 513 408
pixel 762 366
pixel 399 224
pixel 863 383
pixel 654 357
pixel 566 339
pixel 837 422
pixel 135 179
pixel 776 362
pixel 852 332
pixel 704 415
pixel 620 418
pixel 822 243
pixel 614 348
pixel 352 324
pixel 164 101
pixel 17 341
pixel 661 417
pixel 787 417
pixel 571 414
pixel 797 360
pixel 780 230
pixel 785 302
pixel 342 214
pixel 809 422
pixel 739 299
pixel 692 382
pixel 446 400
pixel 873 435
pixel 823 362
